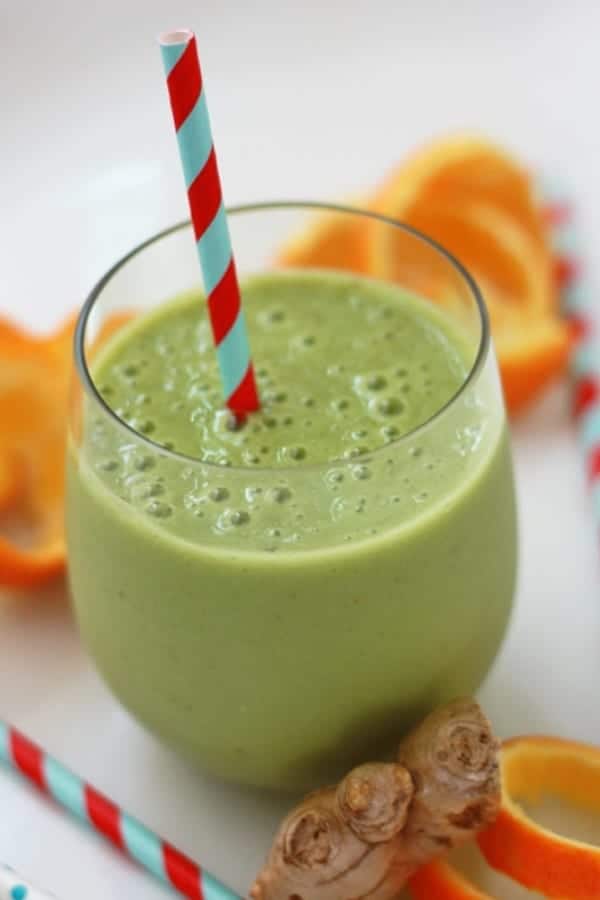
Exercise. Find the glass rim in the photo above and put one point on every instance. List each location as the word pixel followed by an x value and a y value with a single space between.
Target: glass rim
pixel 85 377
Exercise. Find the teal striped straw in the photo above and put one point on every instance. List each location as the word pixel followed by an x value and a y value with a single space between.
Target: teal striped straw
pixel 169 865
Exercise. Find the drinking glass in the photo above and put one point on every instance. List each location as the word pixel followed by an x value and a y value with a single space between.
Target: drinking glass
pixel 278 625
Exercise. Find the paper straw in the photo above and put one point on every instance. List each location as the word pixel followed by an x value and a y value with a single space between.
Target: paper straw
pixel 13 887
pixel 578 308
pixel 211 231
pixel 89 806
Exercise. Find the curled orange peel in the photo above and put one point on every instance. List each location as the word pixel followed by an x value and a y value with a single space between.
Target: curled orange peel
pixel 34 380
pixel 35 375
pixel 536 857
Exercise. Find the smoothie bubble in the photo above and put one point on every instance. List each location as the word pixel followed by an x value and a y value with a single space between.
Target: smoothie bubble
pixel 233 518
pixel 107 465
pixel 390 432
pixel 269 317
pixel 388 406
pixel 279 494
pixel 334 477
pixel 293 454
pixel 143 463
pixel 339 404
pixel 158 509
pixel 143 490
pixel 376 383
pixel 354 452
pixel 361 473
pixel 218 494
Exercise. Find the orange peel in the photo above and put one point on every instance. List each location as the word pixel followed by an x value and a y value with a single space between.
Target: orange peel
pixel 463 168
pixel 34 379
pixel 516 845
pixel 35 375
pixel 439 880
pixel 330 240
pixel 480 203
pixel 533 351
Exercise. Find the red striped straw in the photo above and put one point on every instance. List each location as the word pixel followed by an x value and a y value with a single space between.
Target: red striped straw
pixel 209 220
pixel 85 803
pixel 579 308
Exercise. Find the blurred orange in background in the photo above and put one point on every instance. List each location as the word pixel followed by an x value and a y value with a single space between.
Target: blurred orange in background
pixel 481 205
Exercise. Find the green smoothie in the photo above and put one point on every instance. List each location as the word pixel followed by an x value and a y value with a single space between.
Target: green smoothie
pixel 281 599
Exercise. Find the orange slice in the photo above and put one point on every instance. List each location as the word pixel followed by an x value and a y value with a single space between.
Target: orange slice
pixel 536 857
pixel 330 240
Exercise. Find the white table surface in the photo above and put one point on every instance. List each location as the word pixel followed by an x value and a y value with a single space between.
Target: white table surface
pixel 307 104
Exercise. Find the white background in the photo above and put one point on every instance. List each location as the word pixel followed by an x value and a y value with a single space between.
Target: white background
pixel 313 100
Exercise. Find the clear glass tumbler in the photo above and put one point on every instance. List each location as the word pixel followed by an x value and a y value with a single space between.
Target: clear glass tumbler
pixel 279 655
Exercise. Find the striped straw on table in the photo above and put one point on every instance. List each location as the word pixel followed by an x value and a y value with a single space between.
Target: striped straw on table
pixel 578 308
pixel 89 806
pixel 209 220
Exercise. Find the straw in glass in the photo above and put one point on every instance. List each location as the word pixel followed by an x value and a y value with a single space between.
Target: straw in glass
pixel 209 220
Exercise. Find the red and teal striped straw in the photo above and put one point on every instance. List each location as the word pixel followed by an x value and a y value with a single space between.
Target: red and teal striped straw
pixel 85 803
pixel 209 220
pixel 578 308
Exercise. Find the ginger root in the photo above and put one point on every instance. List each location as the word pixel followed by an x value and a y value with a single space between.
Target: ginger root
pixel 367 836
